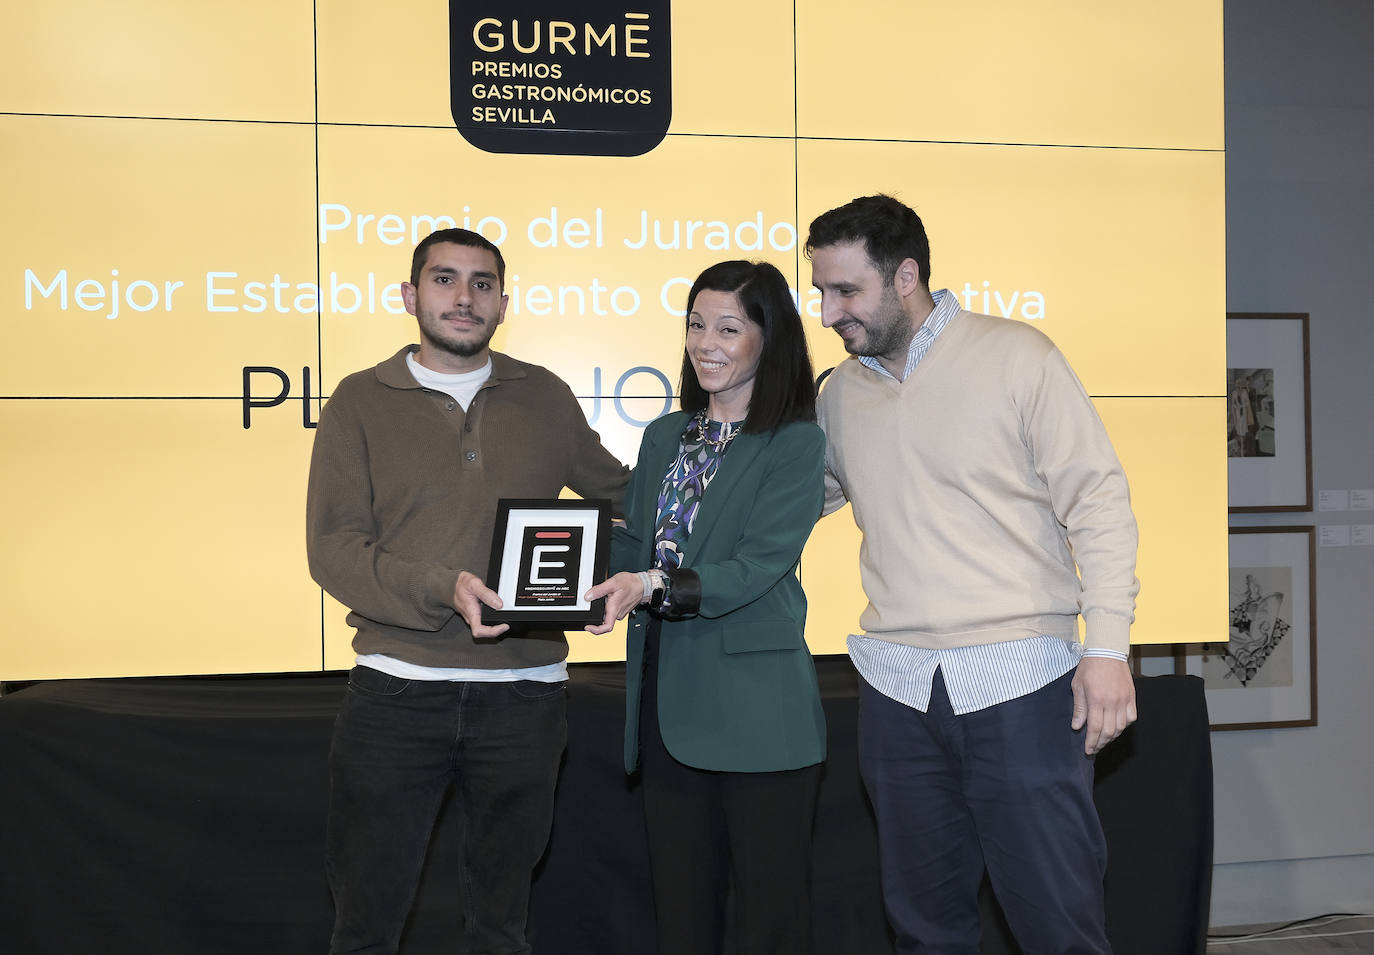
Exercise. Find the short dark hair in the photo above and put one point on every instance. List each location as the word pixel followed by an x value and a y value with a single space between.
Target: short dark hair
pixel 890 231
pixel 456 237
pixel 784 387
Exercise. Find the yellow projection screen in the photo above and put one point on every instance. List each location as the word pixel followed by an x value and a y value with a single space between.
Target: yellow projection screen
pixel 209 209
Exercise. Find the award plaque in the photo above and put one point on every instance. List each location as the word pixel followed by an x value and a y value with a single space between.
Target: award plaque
pixel 545 555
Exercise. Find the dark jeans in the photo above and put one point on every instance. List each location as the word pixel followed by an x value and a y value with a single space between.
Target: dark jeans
pixel 399 746
pixel 1008 787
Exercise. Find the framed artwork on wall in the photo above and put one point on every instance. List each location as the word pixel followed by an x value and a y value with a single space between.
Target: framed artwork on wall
pixel 1266 675
pixel 1269 412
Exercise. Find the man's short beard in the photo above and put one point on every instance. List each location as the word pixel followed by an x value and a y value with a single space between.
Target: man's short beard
pixel 888 336
pixel 438 338
pixel 877 345
pixel 463 349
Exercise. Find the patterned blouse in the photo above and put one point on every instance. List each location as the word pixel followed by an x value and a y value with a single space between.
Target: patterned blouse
pixel 703 445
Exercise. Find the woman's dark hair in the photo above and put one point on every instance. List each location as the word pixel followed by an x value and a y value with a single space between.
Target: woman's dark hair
pixel 784 387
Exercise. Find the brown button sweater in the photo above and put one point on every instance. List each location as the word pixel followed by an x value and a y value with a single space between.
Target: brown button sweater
pixel 402 496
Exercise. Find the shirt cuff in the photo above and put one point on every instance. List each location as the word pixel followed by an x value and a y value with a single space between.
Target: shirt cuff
pixel 1109 654
pixel 685 590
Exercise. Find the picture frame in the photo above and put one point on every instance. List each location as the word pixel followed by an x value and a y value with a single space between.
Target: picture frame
pixel 1269 412
pixel 545 555
pixel 1266 676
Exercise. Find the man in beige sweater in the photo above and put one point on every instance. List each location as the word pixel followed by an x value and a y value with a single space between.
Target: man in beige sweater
pixel 994 512
pixel 410 459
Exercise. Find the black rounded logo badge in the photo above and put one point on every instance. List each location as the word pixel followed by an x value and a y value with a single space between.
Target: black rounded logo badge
pixel 526 76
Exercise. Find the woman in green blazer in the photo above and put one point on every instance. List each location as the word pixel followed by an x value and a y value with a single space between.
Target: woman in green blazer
pixel 723 714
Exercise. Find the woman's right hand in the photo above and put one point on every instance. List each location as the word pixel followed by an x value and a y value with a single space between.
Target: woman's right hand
pixel 623 592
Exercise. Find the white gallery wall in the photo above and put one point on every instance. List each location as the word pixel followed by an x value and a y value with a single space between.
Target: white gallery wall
pixel 1295 807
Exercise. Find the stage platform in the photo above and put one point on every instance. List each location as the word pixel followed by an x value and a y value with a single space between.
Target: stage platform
pixel 186 816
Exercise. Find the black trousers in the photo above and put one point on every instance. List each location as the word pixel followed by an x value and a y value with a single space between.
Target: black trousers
pixel 399 747
pixel 718 838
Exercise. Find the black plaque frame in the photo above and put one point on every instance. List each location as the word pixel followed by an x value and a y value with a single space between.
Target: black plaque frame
pixel 526 605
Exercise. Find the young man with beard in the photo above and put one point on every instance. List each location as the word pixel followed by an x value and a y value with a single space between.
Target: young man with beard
pixel 993 511
pixel 410 459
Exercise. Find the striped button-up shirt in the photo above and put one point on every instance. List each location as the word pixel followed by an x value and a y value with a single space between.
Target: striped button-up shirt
pixel 975 677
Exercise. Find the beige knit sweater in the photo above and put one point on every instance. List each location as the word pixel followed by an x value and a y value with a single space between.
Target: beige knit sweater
pixel 992 505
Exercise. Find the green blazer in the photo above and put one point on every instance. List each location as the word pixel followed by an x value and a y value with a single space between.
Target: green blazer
pixel 737 687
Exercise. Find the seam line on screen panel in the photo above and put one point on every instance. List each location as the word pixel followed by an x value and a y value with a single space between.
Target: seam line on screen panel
pixel 857 139
pixel 314 227
pixel 782 136
pixel 862 139
pixel 121 397
pixel 324 397
pixel 979 142
pixel 834 139
pixel 315 239
pixel 796 158
pixel 1096 397
pixel 796 209
pixel 167 119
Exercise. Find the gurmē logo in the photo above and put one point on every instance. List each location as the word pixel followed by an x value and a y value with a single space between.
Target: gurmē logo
pixel 526 78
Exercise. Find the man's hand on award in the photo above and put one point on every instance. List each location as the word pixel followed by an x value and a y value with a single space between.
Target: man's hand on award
pixel 623 592
pixel 469 593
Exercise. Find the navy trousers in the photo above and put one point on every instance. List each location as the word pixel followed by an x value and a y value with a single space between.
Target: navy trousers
pixel 399 747
pixel 1007 788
